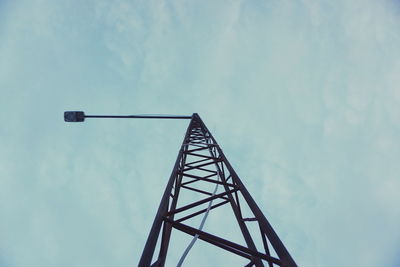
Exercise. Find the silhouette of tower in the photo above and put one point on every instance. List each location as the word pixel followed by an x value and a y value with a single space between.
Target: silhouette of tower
pixel 202 171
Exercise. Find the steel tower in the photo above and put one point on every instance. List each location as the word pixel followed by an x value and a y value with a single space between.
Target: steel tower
pixel 201 163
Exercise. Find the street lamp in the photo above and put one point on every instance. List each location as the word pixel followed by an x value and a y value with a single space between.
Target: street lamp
pixel 199 152
pixel 74 116
pixel 79 116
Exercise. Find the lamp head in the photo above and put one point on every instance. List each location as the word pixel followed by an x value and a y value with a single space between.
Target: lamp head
pixel 74 116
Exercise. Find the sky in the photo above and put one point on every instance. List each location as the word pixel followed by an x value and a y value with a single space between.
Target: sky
pixel 303 97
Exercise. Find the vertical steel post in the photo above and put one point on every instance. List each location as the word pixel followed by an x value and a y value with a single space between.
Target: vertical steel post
pixel 151 242
pixel 264 224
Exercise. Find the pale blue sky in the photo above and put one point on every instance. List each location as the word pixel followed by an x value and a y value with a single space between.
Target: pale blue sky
pixel 303 97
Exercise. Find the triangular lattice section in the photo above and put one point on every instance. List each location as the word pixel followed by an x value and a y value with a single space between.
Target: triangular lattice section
pixel 202 182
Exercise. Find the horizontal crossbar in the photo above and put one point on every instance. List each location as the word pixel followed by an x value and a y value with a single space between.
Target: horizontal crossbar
pixel 198 178
pixel 197 203
pixel 226 243
pixel 202 165
pixel 201 211
pixel 201 148
pixel 200 155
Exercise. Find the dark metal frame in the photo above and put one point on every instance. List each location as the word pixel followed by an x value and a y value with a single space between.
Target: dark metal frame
pixel 204 151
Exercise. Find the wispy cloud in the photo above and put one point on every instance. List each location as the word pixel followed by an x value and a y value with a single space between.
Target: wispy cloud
pixel 303 97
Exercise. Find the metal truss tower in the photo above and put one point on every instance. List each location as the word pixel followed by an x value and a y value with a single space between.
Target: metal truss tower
pixel 201 163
